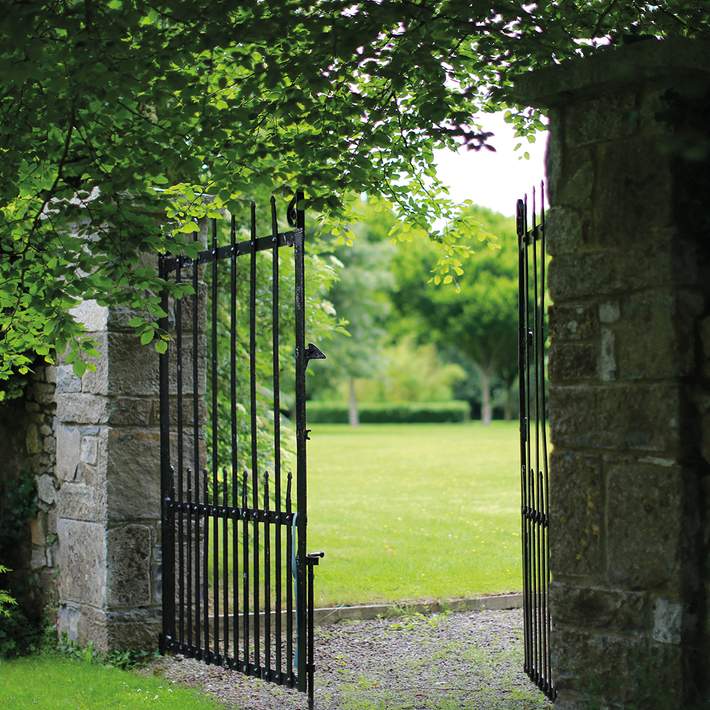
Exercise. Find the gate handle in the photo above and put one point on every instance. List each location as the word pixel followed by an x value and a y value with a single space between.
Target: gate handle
pixel 313 557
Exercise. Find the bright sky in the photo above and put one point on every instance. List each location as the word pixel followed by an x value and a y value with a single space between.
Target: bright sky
pixel 494 180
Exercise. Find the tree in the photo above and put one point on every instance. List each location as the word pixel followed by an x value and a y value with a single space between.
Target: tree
pixel 478 317
pixel 102 103
pixel 360 298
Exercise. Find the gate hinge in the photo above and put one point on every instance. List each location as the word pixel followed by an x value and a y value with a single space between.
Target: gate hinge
pixel 313 353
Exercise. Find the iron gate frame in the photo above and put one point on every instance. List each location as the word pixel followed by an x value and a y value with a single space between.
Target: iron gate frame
pixel 175 509
pixel 534 469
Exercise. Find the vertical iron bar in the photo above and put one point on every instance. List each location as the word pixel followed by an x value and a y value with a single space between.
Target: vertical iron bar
pixel 522 350
pixel 196 444
pixel 536 478
pixel 289 585
pixel 167 532
pixel 301 437
pixel 188 561
pixel 311 605
pixel 245 566
pixel 215 452
pixel 267 583
pixel 180 462
pixel 233 417
pixel 254 432
pixel 205 566
pixel 545 462
pixel 277 424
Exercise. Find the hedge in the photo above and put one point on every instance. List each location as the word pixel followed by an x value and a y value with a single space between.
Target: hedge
pixel 390 412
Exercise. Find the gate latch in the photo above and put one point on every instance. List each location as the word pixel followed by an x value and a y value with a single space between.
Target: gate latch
pixel 314 353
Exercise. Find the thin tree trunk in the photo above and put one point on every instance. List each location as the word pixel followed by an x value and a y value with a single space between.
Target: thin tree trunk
pixel 486 408
pixel 507 409
pixel 353 415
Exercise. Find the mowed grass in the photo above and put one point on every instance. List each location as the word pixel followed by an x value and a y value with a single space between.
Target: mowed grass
pixel 420 511
pixel 51 682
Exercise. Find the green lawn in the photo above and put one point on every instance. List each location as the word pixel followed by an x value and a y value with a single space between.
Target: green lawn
pixel 50 682
pixel 414 511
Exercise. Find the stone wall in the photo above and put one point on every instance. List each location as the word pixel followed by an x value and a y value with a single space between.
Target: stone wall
pixel 628 170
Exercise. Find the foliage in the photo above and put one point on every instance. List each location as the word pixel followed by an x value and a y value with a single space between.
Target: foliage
pixel 18 505
pixel 319 323
pixel 125 660
pixel 477 318
pixel 118 114
pixel 414 511
pixel 410 373
pixel 390 412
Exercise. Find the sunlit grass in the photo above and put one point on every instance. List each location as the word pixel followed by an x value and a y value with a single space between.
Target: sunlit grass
pixel 50 682
pixel 414 511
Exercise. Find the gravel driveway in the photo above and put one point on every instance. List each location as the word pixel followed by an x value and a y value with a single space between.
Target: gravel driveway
pixel 445 661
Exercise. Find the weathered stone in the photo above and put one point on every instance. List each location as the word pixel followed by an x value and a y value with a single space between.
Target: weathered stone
pixel 129 566
pixel 644 512
pixel 38 528
pixel 49 444
pixel 50 374
pixel 667 621
pixel 89 449
pixel 638 417
pixel 46 491
pixel 67 381
pixel 704 328
pixel 576 185
pixel 606 670
pixel 33 443
pixel 655 339
pixel 68 445
pixel 82 562
pixel 130 411
pixel 576 514
pixel 609 312
pixel 564 231
pixel 45 430
pixel 570 362
pixel 133 474
pixel 599 120
pixel 82 408
pixel 79 501
pixel 43 392
pixel 93 317
pixel 572 322
pixel 625 612
pixel 607 356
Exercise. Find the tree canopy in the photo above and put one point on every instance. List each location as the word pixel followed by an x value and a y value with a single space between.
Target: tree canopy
pixel 118 116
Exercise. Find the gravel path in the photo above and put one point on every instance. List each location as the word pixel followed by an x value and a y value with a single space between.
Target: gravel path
pixel 448 661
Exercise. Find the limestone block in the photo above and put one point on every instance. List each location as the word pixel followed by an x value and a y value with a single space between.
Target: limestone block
pixel 655 336
pixel 82 562
pixel 68 448
pixel 46 491
pixel 82 408
pixel 136 629
pixel 133 474
pixel 644 513
pixel 598 120
pixel 615 671
pixel 565 231
pixel 576 514
pixel 572 322
pixel 576 182
pixel 130 411
pixel 667 621
pixel 129 566
pixel 92 316
pixel 79 501
pixel 573 361
pixel 637 417
pixel 67 381
pixel 626 612
pixel 89 450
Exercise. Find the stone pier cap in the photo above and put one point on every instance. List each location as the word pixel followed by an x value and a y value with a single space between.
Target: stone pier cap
pixel 644 60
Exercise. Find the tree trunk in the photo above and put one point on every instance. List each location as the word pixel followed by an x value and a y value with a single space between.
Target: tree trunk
pixel 353 415
pixel 486 408
pixel 507 409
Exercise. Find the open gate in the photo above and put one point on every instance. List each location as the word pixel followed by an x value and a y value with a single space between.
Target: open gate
pixel 534 475
pixel 237 583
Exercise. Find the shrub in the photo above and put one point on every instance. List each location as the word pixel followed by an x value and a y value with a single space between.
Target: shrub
pixel 390 412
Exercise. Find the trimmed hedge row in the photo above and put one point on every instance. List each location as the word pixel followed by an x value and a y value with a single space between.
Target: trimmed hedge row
pixel 390 412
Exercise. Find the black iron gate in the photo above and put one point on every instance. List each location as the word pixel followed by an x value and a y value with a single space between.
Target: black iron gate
pixel 534 476
pixel 237 582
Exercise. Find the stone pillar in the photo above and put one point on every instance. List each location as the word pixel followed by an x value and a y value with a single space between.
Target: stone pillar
pixel 109 501
pixel 628 169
